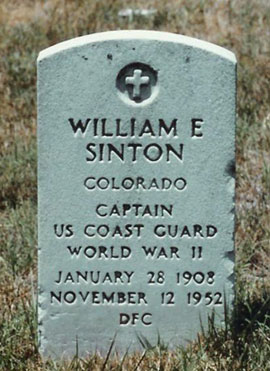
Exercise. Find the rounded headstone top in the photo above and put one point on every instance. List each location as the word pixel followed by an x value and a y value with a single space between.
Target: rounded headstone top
pixel 137 35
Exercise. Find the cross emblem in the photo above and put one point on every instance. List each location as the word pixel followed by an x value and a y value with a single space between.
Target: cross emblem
pixel 137 80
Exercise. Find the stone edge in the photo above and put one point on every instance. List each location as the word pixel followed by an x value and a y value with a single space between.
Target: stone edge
pixel 137 35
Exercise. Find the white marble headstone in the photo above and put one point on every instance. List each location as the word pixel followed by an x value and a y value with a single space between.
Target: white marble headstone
pixel 136 190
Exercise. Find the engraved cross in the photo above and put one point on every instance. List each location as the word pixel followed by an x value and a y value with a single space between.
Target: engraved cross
pixel 137 80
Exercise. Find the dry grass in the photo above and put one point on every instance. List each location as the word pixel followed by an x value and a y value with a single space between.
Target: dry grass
pixel 28 26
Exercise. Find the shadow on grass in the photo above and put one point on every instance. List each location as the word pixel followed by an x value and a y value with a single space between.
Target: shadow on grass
pixel 251 313
pixel 244 339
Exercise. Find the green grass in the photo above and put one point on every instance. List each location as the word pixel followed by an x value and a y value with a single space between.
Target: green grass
pixel 28 26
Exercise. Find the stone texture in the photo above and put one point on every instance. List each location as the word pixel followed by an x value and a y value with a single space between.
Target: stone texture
pixel 136 210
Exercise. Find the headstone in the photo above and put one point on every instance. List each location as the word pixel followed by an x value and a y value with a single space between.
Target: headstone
pixel 136 190
pixel 130 13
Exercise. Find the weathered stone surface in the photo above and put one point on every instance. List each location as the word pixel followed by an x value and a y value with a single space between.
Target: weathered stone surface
pixel 136 188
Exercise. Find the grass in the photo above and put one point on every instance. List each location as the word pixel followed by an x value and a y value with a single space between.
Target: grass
pixel 28 26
